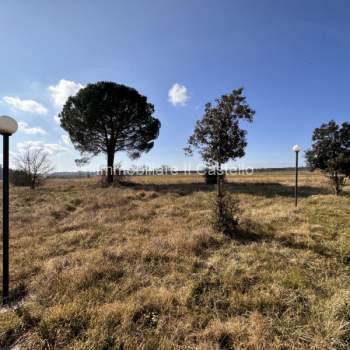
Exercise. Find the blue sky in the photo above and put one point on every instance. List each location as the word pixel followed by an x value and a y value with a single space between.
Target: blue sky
pixel 292 58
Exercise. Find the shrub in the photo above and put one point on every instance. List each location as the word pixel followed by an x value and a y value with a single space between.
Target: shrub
pixel 225 216
pixel 20 178
pixel 34 165
pixel 210 176
pixel 119 177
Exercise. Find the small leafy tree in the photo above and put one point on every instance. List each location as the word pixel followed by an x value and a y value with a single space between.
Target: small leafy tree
pixel 219 138
pixel 107 118
pixel 33 165
pixel 330 153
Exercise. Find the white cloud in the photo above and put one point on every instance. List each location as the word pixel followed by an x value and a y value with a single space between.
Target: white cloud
pixel 62 90
pixel 178 95
pixel 24 127
pixel 54 148
pixel 66 139
pixel 57 119
pixel 50 148
pixel 30 106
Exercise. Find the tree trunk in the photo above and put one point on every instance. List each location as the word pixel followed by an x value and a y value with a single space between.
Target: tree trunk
pixel 219 192
pixel 33 182
pixel 337 184
pixel 218 180
pixel 110 166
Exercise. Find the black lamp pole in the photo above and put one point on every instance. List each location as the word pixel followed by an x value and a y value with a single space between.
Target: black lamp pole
pixel 8 126
pixel 5 221
pixel 296 177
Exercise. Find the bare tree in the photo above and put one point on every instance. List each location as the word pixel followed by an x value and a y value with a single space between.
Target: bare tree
pixel 35 163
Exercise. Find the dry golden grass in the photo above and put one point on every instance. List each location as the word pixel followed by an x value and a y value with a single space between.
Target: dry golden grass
pixel 139 267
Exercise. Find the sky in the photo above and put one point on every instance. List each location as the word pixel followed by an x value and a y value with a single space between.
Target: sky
pixel 291 57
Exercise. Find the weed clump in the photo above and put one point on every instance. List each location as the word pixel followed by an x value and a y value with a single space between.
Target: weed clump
pixel 225 214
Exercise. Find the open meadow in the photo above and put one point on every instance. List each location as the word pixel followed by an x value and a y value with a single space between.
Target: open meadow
pixel 139 266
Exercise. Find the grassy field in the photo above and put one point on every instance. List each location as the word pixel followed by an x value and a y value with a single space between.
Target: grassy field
pixel 139 267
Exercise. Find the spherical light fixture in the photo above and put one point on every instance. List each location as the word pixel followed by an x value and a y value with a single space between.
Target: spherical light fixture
pixel 7 125
pixel 296 148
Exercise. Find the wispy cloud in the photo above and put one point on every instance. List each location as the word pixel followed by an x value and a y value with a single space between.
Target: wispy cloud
pixel 62 90
pixel 50 148
pixel 178 95
pixel 24 127
pixel 30 106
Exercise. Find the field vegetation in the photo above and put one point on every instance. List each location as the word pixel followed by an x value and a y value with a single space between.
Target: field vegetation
pixel 139 266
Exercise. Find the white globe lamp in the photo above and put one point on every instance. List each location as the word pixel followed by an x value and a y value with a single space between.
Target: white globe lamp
pixel 296 148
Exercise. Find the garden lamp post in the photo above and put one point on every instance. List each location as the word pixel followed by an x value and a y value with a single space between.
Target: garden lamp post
pixel 296 149
pixel 8 126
